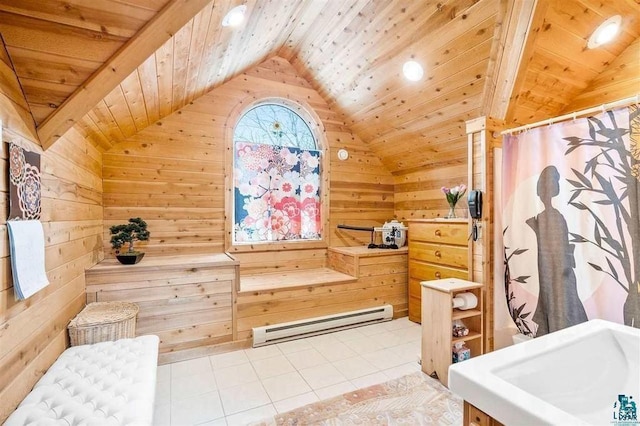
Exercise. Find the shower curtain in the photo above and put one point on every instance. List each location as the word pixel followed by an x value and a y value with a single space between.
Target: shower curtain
pixel 571 222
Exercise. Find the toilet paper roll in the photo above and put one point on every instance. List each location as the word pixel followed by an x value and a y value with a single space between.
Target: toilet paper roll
pixel 465 301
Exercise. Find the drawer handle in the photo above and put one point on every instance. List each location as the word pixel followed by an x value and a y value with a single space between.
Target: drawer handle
pixel 437 253
pixel 438 275
pixel 437 232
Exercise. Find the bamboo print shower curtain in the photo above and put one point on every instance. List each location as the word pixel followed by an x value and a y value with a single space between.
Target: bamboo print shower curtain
pixel 571 201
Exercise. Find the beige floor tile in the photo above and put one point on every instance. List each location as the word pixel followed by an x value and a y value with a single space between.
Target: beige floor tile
pixel 296 402
pixel 244 397
pixel 236 375
pixel 191 367
pixel 285 386
pixel 322 376
pixel 335 390
pixel 199 409
pixel 228 359
pixel 354 367
pixel 274 366
pixel 307 358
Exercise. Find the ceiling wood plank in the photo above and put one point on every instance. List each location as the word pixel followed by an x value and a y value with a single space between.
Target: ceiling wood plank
pixel 149 83
pixel 157 31
pixel 211 50
pixel 164 67
pixel 181 44
pixel 134 96
pixel 101 16
pixel 196 50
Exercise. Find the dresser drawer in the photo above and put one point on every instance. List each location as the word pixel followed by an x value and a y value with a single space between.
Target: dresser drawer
pixel 415 289
pixel 439 233
pixel 415 309
pixel 427 272
pixel 455 256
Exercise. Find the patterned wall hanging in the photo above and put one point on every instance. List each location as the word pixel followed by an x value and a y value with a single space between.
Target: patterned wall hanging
pixel 24 184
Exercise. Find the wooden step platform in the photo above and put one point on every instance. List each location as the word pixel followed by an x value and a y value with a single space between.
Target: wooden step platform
pixel 293 279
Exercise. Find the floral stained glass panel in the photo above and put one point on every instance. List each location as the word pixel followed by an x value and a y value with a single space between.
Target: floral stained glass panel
pixel 277 193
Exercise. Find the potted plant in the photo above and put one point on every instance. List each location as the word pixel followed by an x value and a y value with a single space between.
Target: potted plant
pixel 135 230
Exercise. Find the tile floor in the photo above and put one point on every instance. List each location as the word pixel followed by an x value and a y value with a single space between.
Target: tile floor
pixel 244 386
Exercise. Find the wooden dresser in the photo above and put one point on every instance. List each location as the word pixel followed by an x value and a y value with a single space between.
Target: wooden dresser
pixel 438 248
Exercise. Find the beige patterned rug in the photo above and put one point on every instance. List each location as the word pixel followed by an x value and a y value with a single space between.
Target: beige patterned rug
pixel 416 399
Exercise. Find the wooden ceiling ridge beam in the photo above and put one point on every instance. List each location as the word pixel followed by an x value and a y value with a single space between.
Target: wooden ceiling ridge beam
pixel 133 53
pixel 515 37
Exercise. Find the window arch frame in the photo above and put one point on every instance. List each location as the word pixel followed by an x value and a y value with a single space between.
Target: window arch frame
pixel 316 126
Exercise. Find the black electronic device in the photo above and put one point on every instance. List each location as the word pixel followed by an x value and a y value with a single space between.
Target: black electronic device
pixel 475 204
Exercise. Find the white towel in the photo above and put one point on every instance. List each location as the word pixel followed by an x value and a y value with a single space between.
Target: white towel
pixel 26 239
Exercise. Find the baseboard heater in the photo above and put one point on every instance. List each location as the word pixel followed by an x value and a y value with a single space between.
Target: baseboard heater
pixel 310 327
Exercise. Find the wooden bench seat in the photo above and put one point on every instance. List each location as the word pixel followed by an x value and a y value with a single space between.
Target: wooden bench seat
pixel 293 279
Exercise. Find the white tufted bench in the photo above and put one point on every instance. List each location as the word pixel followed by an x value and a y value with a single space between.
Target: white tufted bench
pixel 107 383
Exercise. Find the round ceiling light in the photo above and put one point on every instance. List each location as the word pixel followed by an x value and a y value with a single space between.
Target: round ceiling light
pixel 235 16
pixel 605 32
pixel 412 70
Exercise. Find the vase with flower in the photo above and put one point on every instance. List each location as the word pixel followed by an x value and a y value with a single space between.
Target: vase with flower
pixel 453 196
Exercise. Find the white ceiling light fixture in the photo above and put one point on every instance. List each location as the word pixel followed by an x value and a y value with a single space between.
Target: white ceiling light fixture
pixel 412 71
pixel 235 16
pixel 605 32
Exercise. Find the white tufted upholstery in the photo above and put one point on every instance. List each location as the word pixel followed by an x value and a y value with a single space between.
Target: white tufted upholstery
pixel 108 383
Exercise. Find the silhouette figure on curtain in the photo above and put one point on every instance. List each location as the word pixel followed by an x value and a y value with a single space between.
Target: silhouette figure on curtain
pixel 558 303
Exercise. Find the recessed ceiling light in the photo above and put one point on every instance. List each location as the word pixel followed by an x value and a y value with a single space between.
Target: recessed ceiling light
pixel 235 16
pixel 412 70
pixel 605 32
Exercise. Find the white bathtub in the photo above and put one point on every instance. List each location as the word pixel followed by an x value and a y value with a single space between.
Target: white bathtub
pixel 573 376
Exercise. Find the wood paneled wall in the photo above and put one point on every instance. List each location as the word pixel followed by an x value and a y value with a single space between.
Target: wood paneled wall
pixel 172 173
pixel 418 194
pixel 33 332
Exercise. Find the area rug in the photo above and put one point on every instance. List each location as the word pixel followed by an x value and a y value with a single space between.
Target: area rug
pixel 416 399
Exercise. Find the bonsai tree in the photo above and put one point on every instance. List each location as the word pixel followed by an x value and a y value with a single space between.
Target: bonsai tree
pixel 135 230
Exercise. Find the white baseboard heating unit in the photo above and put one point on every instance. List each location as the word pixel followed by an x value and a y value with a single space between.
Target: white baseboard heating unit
pixel 313 326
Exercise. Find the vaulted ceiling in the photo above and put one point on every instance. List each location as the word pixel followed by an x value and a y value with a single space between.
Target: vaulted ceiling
pixel 113 67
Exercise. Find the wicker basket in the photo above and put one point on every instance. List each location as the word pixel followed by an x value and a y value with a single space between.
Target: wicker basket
pixel 103 321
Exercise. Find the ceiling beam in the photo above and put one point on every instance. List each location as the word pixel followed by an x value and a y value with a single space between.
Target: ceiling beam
pixel 514 44
pixel 154 34
pixel 526 56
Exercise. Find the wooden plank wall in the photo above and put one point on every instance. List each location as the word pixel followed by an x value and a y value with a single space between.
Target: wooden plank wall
pixel 33 332
pixel 418 194
pixel 172 173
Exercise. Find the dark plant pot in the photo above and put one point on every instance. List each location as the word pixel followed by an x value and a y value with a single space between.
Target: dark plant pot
pixel 130 259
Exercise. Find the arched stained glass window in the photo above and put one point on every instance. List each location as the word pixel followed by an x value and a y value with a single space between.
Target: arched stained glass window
pixel 276 176
pixel 273 124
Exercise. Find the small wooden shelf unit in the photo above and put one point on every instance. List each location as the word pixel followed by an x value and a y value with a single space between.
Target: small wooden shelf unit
pixel 437 324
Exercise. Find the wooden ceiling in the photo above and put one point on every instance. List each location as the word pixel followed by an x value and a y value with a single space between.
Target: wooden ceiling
pixel 557 65
pixel 351 51
pixel 56 46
